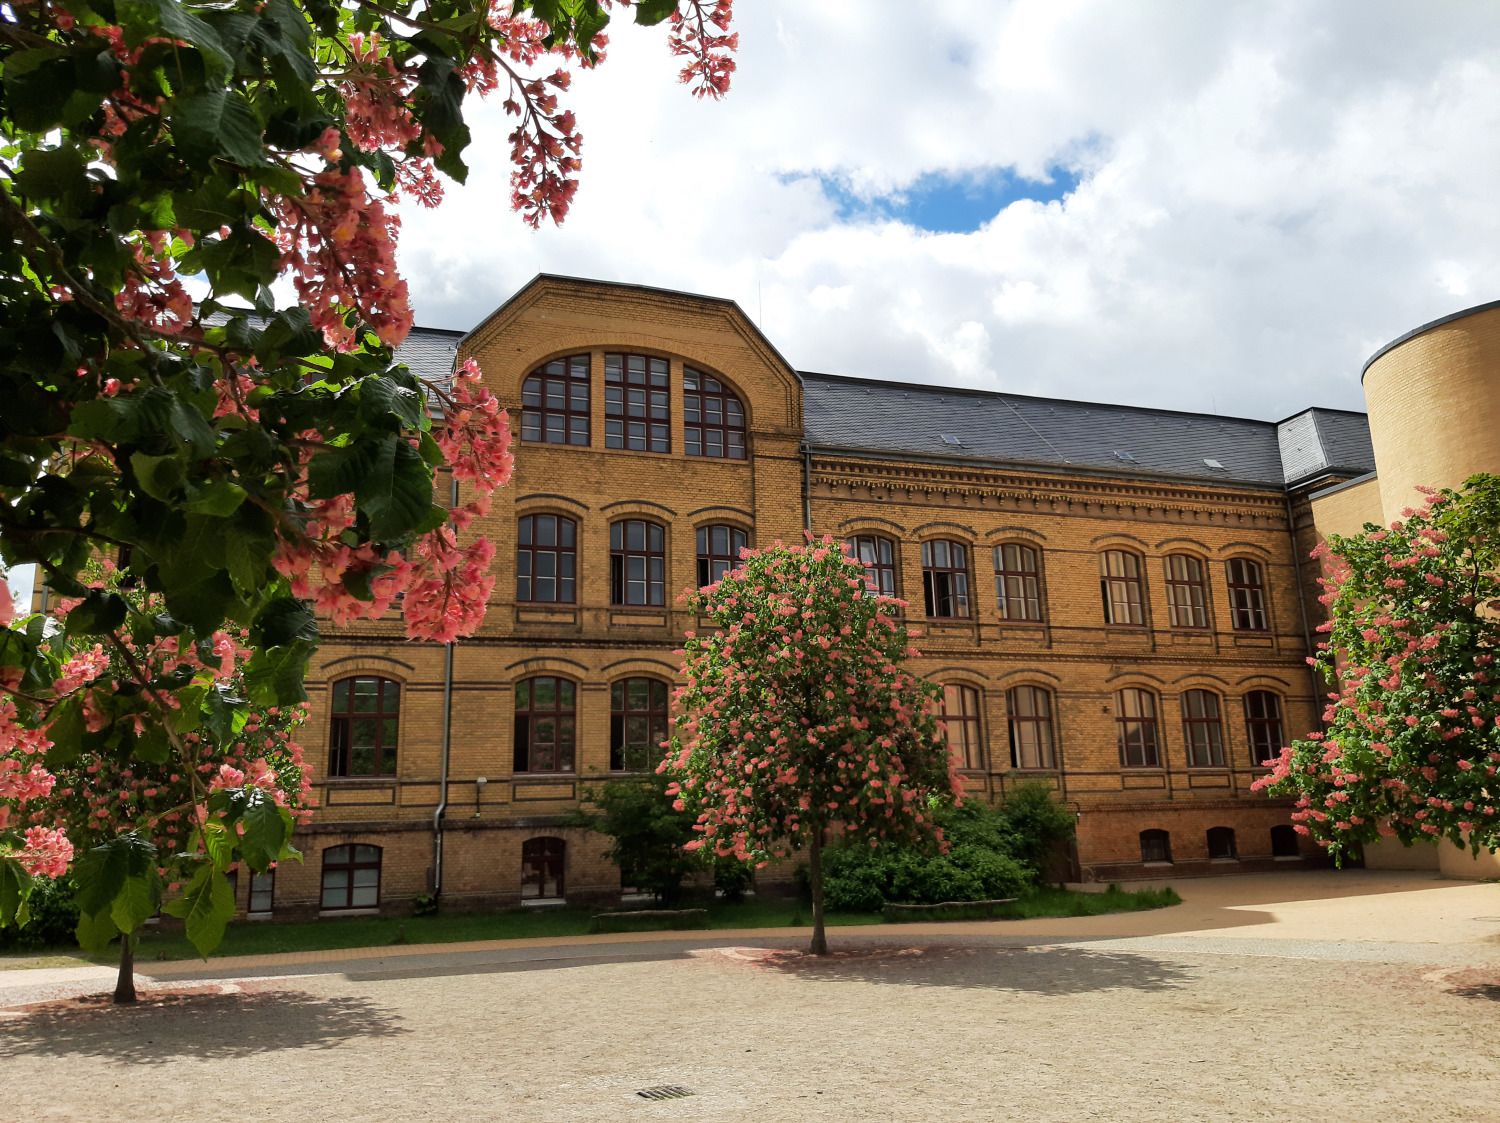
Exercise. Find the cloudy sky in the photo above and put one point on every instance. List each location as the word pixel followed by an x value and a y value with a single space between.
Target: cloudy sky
pixel 1221 207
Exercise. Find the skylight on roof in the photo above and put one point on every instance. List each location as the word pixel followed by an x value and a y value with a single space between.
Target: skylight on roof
pixel 1121 454
pixel 1214 464
pixel 950 439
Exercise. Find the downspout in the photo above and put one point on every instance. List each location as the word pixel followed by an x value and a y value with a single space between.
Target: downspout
pixel 442 808
pixel 806 487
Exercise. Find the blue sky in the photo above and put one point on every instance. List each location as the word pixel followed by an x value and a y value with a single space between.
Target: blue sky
pixel 946 203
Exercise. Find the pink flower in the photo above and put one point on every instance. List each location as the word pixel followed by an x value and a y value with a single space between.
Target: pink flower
pixel 46 853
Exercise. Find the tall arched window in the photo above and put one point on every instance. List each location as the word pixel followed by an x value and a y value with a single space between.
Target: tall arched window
pixel 637 403
pixel 1018 586
pixel 1263 725
pixel 1121 587
pixel 555 402
pixel 543 863
pixel 351 877
pixel 1202 729
pixel 713 418
pixel 719 549
pixel 546 559
pixel 1247 595
pixel 945 578
pixel 959 719
pixel 546 724
pixel 1031 739
pixel 637 563
pixel 1139 747
pixel 1156 846
pixel 878 555
pixel 1187 591
pixel 637 723
pixel 362 732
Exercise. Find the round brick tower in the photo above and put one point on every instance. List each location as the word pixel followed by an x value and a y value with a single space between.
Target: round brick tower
pixel 1434 402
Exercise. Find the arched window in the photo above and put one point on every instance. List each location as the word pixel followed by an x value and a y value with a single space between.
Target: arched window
pixel 945 578
pixel 1202 729
pixel 351 877
pixel 543 862
pixel 959 719
pixel 878 555
pixel 637 723
pixel 1247 595
pixel 546 559
pixel 637 562
pixel 719 549
pixel 1187 591
pixel 1221 844
pixel 1137 721
pixel 555 403
pixel 1284 842
pixel 1018 586
pixel 1263 725
pixel 637 403
pixel 713 418
pixel 1156 847
pixel 1031 743
pixel 546 724
pixel 362 733
pixel 1121 587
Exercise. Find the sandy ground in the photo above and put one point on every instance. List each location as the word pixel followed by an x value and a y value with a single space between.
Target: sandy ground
pixel 1350 996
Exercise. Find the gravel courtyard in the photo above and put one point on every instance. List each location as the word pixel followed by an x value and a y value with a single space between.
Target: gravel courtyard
pixel 1352 996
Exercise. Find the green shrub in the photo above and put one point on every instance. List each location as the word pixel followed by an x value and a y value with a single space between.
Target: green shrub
pixel 648 835
pixel 733 878
pixel 53 921
pixel 1036 824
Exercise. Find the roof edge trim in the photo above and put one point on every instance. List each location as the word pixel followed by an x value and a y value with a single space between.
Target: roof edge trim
pixel 1422 330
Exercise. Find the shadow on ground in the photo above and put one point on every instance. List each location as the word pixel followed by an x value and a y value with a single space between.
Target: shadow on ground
pixel 1036 970
pixel 207 1027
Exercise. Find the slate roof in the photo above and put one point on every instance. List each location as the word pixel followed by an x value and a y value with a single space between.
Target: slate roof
pixel 430 353
pixel 871 415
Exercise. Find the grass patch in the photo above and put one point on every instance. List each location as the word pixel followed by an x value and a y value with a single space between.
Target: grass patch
pixel 1069 902
pixel 520 924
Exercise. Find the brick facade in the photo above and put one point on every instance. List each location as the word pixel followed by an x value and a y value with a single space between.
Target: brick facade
pixel 1069 516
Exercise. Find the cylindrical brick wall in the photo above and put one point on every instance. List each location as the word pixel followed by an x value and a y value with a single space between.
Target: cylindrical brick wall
pixel 1434 402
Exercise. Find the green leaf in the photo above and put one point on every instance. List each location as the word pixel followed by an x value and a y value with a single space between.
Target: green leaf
pixel 648 13
pixel 380 396
pixel 137 901
pixel 338 471
pixel 218 841
pixel 283 620
pixel 159 476
pixel 397 492
pixel 266 829
pixel 102 872
pixel 15 886
pixel 66 732
pixel 152 745
pixel 220 498
pixel 274 676
pixel 95 930
pixel 99 613
pixel 206 906
pixel 218 123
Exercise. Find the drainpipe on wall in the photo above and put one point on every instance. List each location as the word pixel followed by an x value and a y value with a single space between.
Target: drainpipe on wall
pixel 442 808
pixel 806 487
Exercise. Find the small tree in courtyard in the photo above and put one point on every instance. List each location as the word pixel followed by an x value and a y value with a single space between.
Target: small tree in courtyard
pixel 1412 746
pixel 799 717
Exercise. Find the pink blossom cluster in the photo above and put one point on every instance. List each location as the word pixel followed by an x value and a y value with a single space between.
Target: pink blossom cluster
pixel 151 291
pixel 700 32
pixel 46 852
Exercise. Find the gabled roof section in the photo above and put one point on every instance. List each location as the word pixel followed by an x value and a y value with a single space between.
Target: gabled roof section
pixel 430 353
pixel 905 419
pixel 1321 442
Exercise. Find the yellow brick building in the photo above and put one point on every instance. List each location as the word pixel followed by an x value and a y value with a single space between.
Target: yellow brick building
pixel 1116 600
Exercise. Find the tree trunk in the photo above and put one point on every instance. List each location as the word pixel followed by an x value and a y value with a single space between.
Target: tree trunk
pixel 125 983
pixel 815 869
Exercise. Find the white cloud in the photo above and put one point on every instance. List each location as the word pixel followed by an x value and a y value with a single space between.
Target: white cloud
pixel 1268 191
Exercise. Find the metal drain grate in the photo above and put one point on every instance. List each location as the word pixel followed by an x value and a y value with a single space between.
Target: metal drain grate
pixel 664 1092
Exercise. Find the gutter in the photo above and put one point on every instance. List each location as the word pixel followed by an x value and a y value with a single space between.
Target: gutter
pixel 441 811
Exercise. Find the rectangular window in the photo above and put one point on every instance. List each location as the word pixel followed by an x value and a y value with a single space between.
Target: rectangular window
pixel 945 578
pixel 1187 592
pixel 959 720
pixel 637 403
pixel 1121 588
pixel 1137 722
pixel 262 893
pixel 1017 583
pixel 637 563
pixel 1247 595
pixel 546 559
pixel 878 556
pixel 1031 728
pixel 637 724
pixel 1202 729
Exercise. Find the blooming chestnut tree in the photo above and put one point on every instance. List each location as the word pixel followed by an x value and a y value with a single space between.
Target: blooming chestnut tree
pixel 1412 746
pixel 799 718
pixel 235 457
